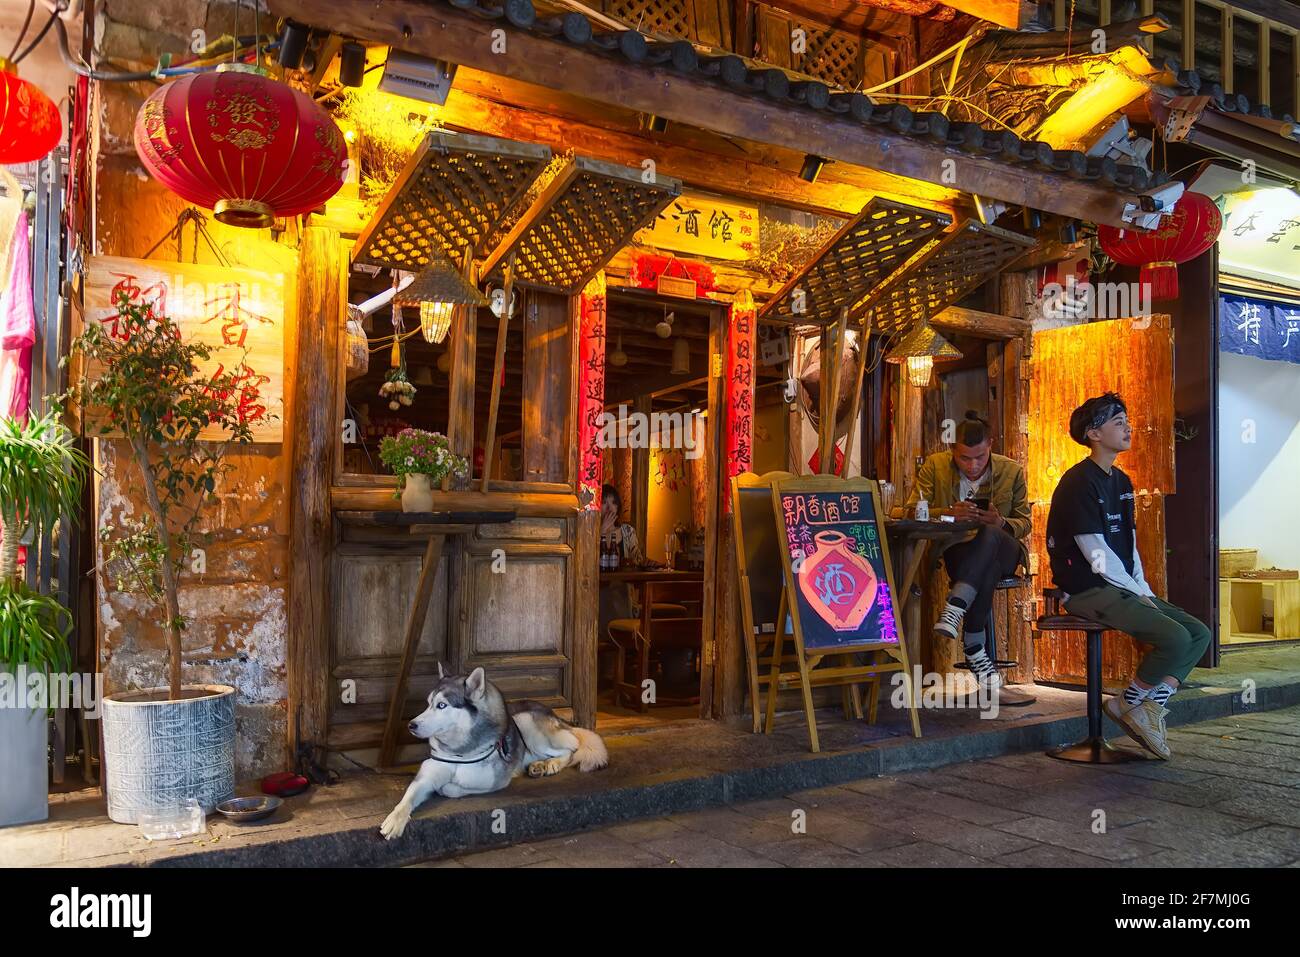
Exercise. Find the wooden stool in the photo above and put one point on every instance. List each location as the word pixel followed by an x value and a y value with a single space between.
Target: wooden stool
pixel 667 634
pixel 1093 749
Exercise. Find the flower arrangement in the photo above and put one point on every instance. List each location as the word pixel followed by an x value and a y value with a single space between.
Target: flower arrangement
pixel 397 389
pixel 417 452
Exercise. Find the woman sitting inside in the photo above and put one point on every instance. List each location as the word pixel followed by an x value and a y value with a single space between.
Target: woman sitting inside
pixel 616 600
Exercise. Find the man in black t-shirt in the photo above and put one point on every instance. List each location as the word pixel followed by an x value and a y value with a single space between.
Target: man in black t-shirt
pixel 1092 544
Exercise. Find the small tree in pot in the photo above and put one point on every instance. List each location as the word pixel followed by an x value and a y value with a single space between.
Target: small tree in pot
pixel 147 387
pixel 41 475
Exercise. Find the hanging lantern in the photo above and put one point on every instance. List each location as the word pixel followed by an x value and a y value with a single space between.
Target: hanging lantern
pixel 435 320
pixel 437 291
pixel 241 144
pixel 30 125
pixel 1189 231
pixel 919 349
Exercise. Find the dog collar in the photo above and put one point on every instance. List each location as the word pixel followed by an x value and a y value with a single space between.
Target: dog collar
pixel 501 747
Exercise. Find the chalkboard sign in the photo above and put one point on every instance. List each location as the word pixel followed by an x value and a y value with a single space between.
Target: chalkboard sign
pixel 836 560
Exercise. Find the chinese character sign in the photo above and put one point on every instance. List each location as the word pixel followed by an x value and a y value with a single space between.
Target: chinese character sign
pixel 237 313
pixel 741 338
pixel 591 386
pixel 704 226
pixel 839 565
pixel 1259 328
pixel 1261 234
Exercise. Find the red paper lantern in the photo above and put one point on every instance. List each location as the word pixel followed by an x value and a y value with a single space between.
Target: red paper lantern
pixel 1189 231
pixel 241 144
pixel 30 125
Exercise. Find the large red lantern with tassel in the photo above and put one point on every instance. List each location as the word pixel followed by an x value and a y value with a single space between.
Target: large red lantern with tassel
pixel 241 144
pixel 1189 231
pixel 30 125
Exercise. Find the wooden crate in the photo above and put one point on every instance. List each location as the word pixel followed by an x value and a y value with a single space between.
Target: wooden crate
pixel 1241 610
pixel 1234 561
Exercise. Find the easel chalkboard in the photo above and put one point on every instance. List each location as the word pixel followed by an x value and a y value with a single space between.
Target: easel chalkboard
pixel 839 579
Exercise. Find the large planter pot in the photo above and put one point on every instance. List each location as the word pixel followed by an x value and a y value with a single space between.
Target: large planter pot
pixel 158 753
pixel 24 780
pixel 417 494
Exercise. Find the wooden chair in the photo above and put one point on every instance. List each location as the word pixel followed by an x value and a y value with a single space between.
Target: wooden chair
pixel 668 634
pixel 1093 749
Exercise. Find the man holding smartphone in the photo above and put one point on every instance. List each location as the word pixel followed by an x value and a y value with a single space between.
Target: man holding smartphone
pixel 971 483
pixel 1092 543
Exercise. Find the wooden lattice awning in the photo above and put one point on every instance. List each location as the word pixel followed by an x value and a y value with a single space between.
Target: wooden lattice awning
pixel 857 259
pixel 944 274
pixel 578 221
pixel 453 191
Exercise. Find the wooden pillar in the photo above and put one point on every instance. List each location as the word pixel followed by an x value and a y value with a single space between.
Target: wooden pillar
pixel 322 278
pixel 547 386
pixel 460 408
pixel 586 547
pixel 1016 608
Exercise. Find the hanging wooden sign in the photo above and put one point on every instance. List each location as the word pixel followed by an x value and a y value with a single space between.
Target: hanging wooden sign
pixel 741 336
pixel 591 389
pixel 701 225
pixel 237 313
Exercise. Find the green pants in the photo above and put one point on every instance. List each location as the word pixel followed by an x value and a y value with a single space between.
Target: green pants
pixel 1179 639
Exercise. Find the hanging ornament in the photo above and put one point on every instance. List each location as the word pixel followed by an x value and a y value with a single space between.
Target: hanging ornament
pixel 241 144
pixel 30 125
pixel 1186 233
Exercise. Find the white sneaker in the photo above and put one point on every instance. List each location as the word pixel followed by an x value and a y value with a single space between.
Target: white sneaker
pixel 949 623
pixel 986 674
pixel 1144 722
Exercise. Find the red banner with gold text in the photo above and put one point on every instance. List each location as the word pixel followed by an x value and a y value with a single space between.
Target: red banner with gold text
pixel 741 332
pixel 591 401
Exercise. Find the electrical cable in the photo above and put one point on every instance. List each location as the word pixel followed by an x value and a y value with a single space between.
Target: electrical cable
pixel 81 69
pixel 54 17
pixel 31 8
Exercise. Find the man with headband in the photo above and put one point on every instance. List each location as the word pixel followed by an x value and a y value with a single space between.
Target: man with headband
pixel 1092 543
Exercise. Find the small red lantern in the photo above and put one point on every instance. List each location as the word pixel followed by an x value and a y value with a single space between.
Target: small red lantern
pixel 241 144
pixel 30 125
pixel 1189 231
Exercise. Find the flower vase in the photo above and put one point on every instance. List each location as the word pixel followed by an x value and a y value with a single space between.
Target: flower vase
pixel 417 494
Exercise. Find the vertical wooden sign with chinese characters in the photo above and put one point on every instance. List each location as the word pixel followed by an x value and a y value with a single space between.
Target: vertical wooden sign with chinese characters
pixel 237 313
pixel 591 386
pixel 741 335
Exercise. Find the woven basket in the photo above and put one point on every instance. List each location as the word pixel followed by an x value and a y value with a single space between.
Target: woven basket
pixel 1234 561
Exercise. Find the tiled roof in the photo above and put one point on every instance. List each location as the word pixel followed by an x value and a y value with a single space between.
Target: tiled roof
pixel 1192 83
pixel 740 75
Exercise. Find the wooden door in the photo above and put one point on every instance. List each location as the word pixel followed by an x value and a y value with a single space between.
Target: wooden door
pixel 1134 357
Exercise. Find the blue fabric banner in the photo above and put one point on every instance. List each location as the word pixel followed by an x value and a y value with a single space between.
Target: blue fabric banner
pixel 1256 327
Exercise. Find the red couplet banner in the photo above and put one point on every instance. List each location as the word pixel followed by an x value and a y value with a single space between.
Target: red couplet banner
pixel 592 395
pixel 741 333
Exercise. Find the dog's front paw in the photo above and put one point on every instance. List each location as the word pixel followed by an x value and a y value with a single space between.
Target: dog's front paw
pixel 395 824
pixel 544 769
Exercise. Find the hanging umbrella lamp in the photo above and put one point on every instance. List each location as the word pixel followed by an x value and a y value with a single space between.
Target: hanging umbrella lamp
pixel 29 121
pixel 918 351
pixel 436 292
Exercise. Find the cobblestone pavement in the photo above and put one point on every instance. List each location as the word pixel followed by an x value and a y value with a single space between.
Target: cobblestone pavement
pixel 1230 797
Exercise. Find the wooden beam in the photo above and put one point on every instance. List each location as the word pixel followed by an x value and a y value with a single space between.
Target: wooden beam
pixel 498 371
pixel 1012 14
pixel 987 324
pixel 322 271
pixel 446 33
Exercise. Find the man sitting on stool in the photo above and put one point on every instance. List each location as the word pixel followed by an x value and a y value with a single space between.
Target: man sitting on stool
pixel 1092 542
pixel 970 482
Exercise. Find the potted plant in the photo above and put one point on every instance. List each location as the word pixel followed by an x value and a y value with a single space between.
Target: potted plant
pixel 163 746
pixel 41 475
pixel 421 459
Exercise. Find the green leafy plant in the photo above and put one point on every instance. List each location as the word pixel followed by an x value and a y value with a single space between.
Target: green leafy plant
pixel 41 476
pixel 417 452
pixel 149 389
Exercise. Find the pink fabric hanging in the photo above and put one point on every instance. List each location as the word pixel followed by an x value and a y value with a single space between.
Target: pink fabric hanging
pixel 17 328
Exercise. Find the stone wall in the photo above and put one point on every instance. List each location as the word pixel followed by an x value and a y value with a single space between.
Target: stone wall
pixel 238 606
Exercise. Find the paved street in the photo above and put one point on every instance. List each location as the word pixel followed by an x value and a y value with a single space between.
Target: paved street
pixel 1230 797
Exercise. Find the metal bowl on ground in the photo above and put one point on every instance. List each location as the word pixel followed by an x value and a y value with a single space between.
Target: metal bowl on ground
pixel 245 810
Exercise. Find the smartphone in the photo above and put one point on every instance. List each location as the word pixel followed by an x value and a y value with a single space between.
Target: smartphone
pixel 981 503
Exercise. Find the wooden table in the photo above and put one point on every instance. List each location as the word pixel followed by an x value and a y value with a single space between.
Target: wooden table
pixel 435 527
pixel 644 580
pixel 909 541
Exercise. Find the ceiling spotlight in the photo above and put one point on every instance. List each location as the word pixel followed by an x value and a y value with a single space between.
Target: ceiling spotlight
pixel 655 124
pixel 293 44
pixel 352 64
pixel 811 168
pixel 1070 232
pixel 1033 219
pixel 417 77
pixel 988 210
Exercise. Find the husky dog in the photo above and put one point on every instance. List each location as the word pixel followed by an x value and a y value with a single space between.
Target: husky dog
pixel 477 744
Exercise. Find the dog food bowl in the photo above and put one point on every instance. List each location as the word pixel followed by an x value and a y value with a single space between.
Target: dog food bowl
pixel 247 809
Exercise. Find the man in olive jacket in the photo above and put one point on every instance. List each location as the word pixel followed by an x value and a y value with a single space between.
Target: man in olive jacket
pixel 971 482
